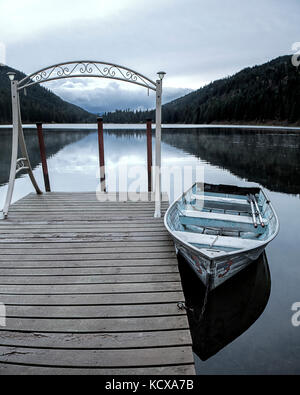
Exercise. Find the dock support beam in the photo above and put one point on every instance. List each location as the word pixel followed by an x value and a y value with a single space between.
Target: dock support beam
pixel 101 154
pixel 157 213
pixel 39 127
pixel 149 153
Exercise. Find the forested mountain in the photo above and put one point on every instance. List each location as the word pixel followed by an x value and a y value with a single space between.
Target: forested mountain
pixel 265 94
pixel 269 93
pixel 40 104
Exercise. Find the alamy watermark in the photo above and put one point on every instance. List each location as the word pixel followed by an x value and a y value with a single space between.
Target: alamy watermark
pixel 296 315
pixel 296 56
pixel 2 54
pixel 2 314
pixel 129 183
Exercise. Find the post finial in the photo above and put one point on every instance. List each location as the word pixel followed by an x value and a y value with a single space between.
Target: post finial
pixel 161 75
pixel 11 75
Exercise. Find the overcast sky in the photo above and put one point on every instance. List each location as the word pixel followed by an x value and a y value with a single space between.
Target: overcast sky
pixel 194 41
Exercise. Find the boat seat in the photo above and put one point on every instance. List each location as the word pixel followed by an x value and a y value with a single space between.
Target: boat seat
pixel 218 216
pixel 220 199
pixel 243 223
pixel 217 241
pixel 220 203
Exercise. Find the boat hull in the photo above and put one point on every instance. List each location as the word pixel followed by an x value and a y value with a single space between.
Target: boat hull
pixel 216 272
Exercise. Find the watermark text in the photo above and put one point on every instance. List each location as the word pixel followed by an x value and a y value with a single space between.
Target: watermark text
pixel 2 54
pixel 296 56
pixel 296 315
pixel 2 314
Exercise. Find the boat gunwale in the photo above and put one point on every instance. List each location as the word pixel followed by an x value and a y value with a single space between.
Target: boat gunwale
pixel 226 254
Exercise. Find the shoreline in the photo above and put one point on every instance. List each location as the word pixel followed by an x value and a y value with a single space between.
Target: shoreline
pixel 140 126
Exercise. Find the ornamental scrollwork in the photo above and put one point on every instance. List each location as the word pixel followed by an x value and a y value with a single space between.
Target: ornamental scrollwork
pixel 21 165
pixel 87 69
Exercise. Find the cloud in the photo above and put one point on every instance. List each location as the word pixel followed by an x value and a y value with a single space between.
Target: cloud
pixel 194 41
pixel 45 16
pixel 98 98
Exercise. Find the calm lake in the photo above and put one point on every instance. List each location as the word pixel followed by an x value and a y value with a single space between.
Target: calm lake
pixel 247 325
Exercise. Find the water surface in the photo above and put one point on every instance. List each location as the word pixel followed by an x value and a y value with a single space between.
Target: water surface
pixel 247 328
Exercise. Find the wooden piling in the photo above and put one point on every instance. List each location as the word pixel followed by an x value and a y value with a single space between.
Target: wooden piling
pixel 101 153
pixel 39 126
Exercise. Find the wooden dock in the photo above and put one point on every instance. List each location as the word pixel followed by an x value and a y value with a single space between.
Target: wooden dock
pixel 90 288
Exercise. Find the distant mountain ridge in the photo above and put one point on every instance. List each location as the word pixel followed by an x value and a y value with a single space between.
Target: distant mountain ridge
pixel 264 94
pixel 40 104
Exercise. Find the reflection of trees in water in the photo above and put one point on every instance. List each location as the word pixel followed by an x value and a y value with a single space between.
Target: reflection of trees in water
pixel 55 140
pixel 273 160
pixel 127 133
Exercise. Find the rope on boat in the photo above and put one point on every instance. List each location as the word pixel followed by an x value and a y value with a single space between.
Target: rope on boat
pixel 205 300
pixel 183 306
pixel 208 288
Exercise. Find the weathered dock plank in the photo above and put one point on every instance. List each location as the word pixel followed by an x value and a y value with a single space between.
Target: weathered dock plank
pixel 166 370
pixel 92 299
pixel 90 287
pixel 48 264
pixel 96 341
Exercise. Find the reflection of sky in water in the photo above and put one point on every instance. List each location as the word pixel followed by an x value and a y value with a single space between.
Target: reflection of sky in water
pixel 271 345
pixel 76 166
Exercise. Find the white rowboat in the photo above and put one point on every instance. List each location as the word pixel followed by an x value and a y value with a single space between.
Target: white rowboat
pixel 220 229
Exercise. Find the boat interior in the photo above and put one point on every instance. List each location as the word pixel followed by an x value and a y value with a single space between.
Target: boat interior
pixel 228 218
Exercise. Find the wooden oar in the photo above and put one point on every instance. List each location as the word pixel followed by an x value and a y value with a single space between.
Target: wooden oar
pixel 257 210
pixel 252 211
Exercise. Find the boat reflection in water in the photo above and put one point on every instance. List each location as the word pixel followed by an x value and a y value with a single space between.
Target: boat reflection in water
pixel 229 309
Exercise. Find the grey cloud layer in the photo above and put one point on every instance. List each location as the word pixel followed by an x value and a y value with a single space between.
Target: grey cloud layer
pixel 194 41
pixel 112 97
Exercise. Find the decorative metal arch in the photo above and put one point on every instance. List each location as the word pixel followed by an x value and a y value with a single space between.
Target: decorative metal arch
pixel 77 69
pixel 87 68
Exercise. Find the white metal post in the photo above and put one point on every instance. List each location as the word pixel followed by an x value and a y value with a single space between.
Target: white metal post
pixel 14 154
pixel 18 138
pixel 157 213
